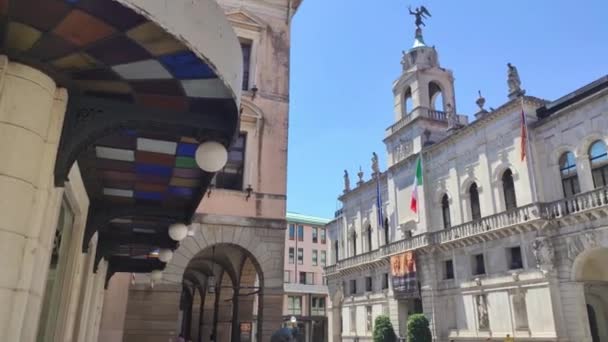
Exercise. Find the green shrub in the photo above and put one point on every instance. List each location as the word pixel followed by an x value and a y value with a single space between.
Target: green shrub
pixel 418 329
pixel 383 330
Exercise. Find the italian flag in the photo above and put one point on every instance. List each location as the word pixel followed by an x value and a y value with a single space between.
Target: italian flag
pixel 417 183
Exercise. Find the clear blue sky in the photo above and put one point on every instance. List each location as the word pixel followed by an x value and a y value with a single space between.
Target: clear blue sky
pixel 345 54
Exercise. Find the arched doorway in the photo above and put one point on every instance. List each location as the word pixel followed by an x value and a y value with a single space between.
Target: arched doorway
pixel 232 286
pixel 590 268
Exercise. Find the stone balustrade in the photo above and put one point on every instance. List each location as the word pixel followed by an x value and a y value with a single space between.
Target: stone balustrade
pixel 572 205
pixel 521 215
pixel 426 113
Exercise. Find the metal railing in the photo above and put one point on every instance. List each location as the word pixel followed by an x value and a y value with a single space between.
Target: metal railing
pixel 526 214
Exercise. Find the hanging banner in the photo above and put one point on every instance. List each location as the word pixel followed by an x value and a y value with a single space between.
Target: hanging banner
pixel 403 273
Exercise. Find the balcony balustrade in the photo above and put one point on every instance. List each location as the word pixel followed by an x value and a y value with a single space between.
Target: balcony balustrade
pixel 527 214
pixel 426 113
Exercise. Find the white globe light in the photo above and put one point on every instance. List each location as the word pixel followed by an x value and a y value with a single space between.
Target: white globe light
pixel 178 231
pixel 211 156
pixel 156 275
pixel 165 255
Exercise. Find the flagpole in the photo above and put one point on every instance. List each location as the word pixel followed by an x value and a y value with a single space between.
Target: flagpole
pixel 530 164
pixel 422 186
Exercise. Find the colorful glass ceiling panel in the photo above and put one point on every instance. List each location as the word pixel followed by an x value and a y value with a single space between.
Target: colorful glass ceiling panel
pixel 142 166
pixel 103 49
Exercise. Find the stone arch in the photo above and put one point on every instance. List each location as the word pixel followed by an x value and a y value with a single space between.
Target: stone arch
pixel 590 265
pixel 408 101
pixel 466 185
pixel 589 268
pixel 261 252
pixel 439 193
pixel 500 169
pixel 559 151
pixel 436 92
pixel 204 238
pixel 585 144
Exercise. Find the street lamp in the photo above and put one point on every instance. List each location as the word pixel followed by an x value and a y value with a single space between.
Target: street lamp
pixel 178 231
pixel 165 255
pixel 211 156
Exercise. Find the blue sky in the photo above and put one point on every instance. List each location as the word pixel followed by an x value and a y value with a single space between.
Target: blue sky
pixel 345 54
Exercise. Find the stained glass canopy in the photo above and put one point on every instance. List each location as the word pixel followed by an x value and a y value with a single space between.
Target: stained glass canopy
pixel 140 103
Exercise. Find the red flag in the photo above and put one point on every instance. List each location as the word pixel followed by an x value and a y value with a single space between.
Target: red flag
pixel 524 135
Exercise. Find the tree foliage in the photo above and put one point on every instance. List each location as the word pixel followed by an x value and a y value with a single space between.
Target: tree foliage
pixel 418 329
pixel 383 330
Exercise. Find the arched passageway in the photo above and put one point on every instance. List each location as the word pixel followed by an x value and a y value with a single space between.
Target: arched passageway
pixel 230 279
pixel 591 268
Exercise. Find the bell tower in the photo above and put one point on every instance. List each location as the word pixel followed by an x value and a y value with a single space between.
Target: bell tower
pixel 424 101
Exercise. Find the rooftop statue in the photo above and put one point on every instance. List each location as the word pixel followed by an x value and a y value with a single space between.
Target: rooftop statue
pixel 420 13
pixel 346 181
pixel 513 81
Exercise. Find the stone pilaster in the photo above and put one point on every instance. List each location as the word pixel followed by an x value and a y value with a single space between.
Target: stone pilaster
pixel 31 117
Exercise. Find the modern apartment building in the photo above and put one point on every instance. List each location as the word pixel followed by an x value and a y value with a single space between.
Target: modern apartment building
pixel 306 244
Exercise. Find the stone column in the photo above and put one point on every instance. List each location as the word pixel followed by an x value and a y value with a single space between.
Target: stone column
pixel 271 314
pixel 112 323
pixel 32 109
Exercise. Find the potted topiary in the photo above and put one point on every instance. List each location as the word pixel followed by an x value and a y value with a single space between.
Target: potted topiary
pixel 383 330
pixel 418 329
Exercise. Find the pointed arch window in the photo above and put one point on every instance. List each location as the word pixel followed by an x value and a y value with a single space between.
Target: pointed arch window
pixel 445 210
pixel 508 189
pixel 474 197
pixel 598 156
pixel 567 169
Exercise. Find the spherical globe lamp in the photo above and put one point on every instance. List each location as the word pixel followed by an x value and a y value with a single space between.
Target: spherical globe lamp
pixel 178 231
pixel 211 156
pixel 156 275
pixel 165 255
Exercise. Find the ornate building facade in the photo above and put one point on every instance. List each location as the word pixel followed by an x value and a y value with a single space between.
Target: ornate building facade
pixel 142 142
pixel 511 233
pixel 225 280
